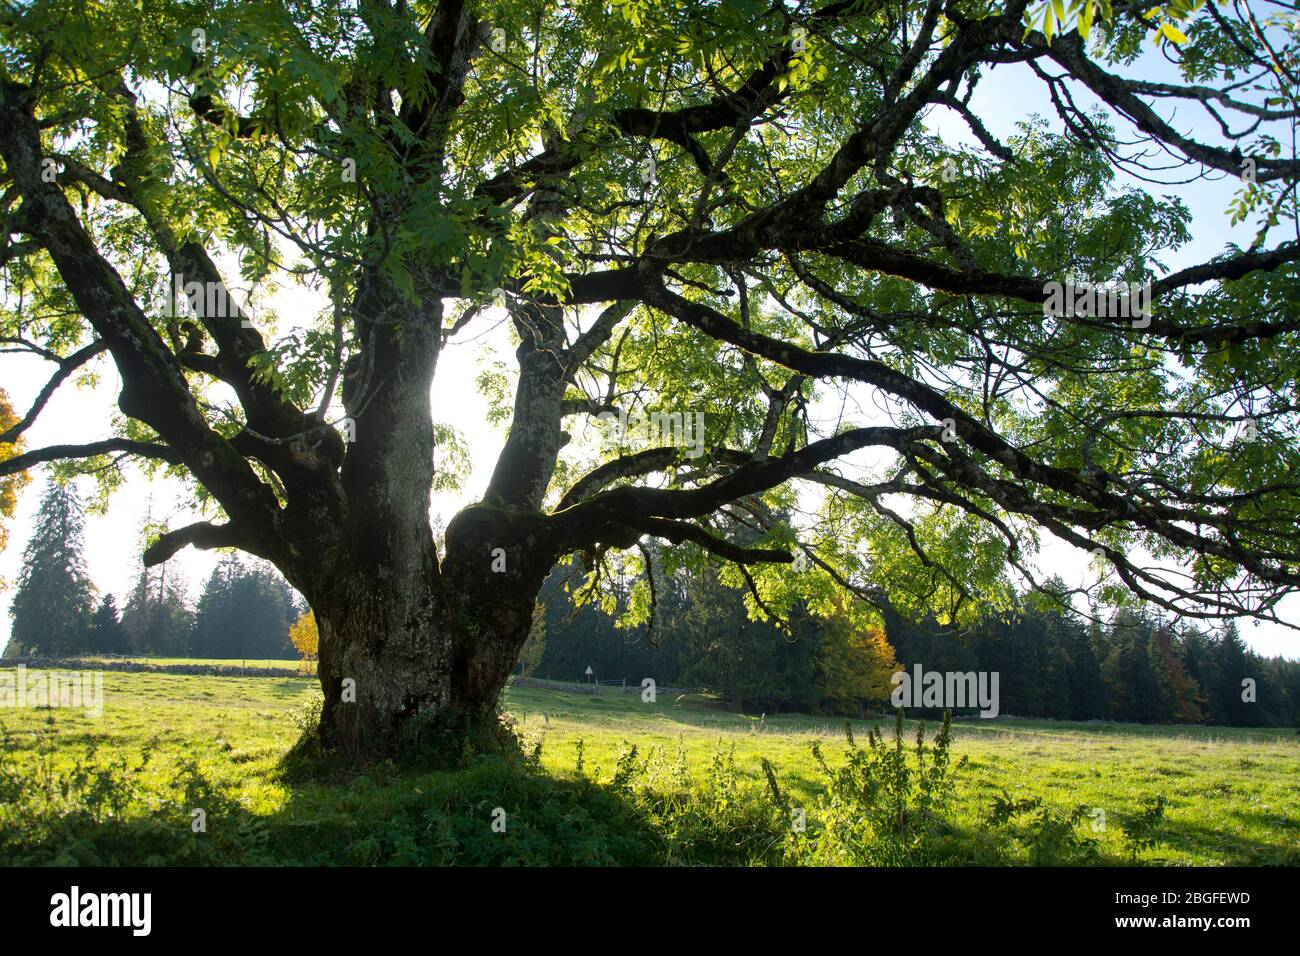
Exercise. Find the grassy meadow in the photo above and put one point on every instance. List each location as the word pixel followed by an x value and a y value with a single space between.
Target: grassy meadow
pixel 610 779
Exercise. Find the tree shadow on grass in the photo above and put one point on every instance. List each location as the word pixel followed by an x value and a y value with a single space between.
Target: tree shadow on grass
pixel 492 811
pixel 1234 849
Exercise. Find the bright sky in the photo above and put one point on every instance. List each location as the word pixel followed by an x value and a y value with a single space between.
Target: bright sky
pixel 1007 95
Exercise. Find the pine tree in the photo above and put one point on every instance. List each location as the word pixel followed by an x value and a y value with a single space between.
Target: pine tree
pixel 1184 692
pixel 582 636
pixel 107 635
pixel 1271 706
pixel 211 636
pixel 157 617
pixel 245 612
pixel 1016 650
pixel 1087 689
pixel 263 613
pixel 1132 673
pixel 1232 657
pixel 52 606
pixel 1196 652
pixel 751 663
pixel 1046 626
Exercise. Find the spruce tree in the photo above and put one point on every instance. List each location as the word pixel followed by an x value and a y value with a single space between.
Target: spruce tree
pixel 107 636
pixel 212 615
pixel 1087 689
pixel 1233 659
pixel 1133 683
pixel 157 617
pixel 52 606
pixel 244 613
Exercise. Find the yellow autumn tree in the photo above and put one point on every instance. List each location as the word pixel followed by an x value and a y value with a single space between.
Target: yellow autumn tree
pixel 10 485
pixel 854 663
pixel 305 637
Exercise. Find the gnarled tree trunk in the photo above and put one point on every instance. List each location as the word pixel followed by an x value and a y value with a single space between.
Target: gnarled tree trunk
pixel 411 645
pixel 412 651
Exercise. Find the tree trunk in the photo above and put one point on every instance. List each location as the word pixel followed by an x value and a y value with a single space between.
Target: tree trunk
pixel 397 673
pixel 422 658
pixel 412 646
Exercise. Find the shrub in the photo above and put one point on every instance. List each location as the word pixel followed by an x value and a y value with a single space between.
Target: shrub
pixel 881 808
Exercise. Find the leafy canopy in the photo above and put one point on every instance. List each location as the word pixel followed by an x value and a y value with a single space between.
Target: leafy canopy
pixel 756 189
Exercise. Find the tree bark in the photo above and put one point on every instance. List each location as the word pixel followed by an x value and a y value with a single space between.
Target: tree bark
pixel 409 658
pixel 398 670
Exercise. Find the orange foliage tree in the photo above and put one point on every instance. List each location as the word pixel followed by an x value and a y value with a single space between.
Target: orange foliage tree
pixel 855 662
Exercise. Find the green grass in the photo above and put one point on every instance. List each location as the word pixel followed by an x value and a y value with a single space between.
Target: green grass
pixel 121 788
pixel 270 664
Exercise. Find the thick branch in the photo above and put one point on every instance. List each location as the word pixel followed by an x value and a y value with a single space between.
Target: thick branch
pixel 202 534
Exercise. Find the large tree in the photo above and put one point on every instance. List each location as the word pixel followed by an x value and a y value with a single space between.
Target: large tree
pixel 681 206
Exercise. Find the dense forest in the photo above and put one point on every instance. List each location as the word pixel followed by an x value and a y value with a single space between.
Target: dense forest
pixel 1052 663
pixel 1133 667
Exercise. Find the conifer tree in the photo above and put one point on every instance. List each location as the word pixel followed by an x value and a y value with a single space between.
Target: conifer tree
pixel 107 636
pixel 52 607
